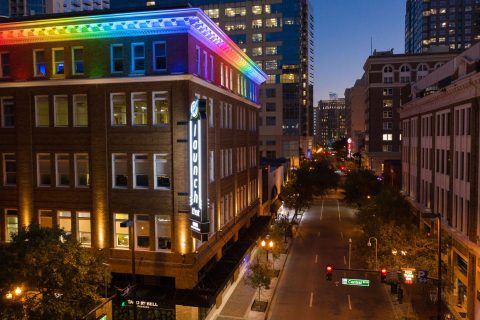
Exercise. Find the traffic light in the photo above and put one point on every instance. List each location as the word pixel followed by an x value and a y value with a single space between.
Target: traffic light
pixel 328 272
pixel 383 274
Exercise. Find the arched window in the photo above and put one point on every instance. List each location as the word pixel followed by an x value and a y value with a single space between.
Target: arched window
pixel 438 65
pixel 422 70
pixel 387 74
pixel 404 73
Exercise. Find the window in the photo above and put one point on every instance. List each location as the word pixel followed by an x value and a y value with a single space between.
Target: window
pixel 387 125
pixel 211 165
pixel 8 112
pixel 160 108
pixel 162 172
pixel 120 174
pixel 212 66
pixel 270 107
pixel 271 23
pixel 60 106
pixel 11 223
pixel 43 170
pixel 65 221
pixel 62 167
pixel 387 114
pixel 82 174
pixel 270 121
pixel 197 60
pixel 139 108
pixel 9 169
pixel 388 74
pixel 235 12
pixel 160 55
pixel 45 218
pixel 84 228
pixel 4 64
pixel 121 233
pixel 387 137
pixel 140 171
pixel 80 110
pixel 40 68
pixel 58 56
pixel 119 109
pixel 388 91
pixel 387 148
pixel 142 231
pixel 42 112
pixel 270 92
pixel 257 37
pixel 138 58
pixel 271 50
pixel 271 65
pixel 257 9
pixel 257 23
pixel 77 60
pixel 205 65
pixel 387 103
pixel 116 58
pixel 257 51
pixel 212 13
pixel 163 230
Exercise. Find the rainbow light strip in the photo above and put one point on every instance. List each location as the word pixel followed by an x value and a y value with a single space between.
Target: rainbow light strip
pixel 143 23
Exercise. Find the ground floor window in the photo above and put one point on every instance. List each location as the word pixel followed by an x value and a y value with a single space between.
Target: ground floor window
pixel 142 231
pixel 163 231
pixel 11 223
pixel 84 228
pixel 46 218
pixel 121 233
pixel 65 221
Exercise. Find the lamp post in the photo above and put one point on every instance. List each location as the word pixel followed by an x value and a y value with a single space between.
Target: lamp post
pixel 376 250
pixel 106 265
pixel 131 226
pixel 266 247
pixel 349 251
pixel 439 265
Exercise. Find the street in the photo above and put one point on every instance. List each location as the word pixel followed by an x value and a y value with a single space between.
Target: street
pixel 303 291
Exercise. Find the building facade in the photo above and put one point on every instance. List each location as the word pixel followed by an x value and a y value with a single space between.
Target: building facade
pixel 331 125
pixel 355 114
pixel 148 117
pixel 386 74
pixel 20 8
pixel 440 167
pixel 278 35
pixel 440 25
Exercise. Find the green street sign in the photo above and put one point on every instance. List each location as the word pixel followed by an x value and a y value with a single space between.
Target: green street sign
pixel 356 282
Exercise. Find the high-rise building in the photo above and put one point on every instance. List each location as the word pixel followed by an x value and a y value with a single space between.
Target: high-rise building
pixel 278 36
pixel 441 25
pixel 19 8
pixel 440 161
pixel 4 9
pixel 331 121
pixel 355 114
pixel 144 117
pixel 388 77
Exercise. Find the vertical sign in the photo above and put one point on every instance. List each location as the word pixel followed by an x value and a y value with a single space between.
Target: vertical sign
pixel 199 224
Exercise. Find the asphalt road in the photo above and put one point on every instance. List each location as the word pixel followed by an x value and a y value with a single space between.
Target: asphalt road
pixel 303 292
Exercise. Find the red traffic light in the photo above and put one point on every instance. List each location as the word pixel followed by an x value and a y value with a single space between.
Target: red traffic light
pixel 329 268
pixel 383 274
pixel 328 272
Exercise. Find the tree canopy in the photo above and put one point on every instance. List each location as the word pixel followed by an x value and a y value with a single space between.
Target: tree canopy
pixel 59 279
pixel 360 184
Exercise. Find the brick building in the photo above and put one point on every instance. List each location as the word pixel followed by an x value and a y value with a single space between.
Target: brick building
pixel 386 74
pixel 103 120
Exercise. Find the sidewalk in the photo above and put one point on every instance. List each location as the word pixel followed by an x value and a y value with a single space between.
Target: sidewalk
pixel 239 298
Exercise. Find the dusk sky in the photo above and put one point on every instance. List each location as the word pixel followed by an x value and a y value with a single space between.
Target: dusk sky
pixel 343 29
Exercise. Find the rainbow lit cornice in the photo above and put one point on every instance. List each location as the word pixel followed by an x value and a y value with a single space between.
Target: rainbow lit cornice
pixel 192 20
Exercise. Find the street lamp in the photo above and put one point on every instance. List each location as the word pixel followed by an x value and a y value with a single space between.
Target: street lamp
pixel 376 250
pixel 267 247
pixel 439 266
pixel 131 225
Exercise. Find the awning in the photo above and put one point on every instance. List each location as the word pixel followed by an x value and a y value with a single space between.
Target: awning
pixel 276 205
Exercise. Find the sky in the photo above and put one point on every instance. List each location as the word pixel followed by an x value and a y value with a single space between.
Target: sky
pixel 343 29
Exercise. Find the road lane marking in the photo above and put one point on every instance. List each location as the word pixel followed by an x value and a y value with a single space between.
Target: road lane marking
pixel 321 212
pixel 318 234
pixel 341 234
pixel 344 260
pixel 338 208
pixel 311 299
pixel 316 258
pixel 349 303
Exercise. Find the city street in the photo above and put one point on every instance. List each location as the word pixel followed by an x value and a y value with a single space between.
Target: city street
pixel 303 291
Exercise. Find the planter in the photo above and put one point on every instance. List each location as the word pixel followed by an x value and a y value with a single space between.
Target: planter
pixel 259 306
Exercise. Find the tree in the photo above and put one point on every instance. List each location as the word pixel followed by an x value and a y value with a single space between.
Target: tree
pixel 258 277
pixel 59 278
pixel 360 184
